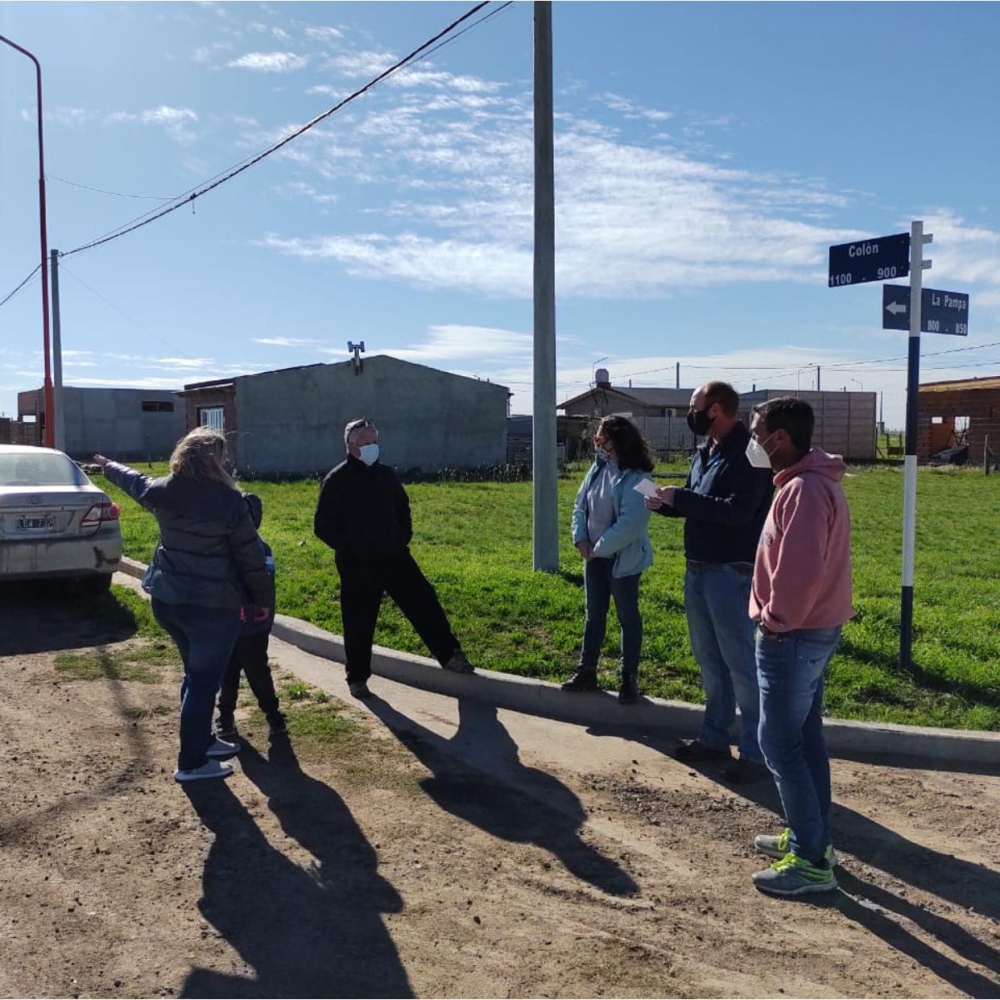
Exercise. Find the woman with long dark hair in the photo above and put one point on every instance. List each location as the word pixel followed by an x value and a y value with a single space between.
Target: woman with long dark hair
pixel 207 565
pixel 611 532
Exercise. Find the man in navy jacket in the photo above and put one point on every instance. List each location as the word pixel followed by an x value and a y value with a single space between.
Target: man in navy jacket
pixel 724 504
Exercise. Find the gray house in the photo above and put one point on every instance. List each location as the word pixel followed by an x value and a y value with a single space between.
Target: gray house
pixel 129 424
pixel 292 420
pixel 845 421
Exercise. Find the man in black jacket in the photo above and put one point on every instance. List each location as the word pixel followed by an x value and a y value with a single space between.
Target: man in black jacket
pixel 724 502
pixel 363 514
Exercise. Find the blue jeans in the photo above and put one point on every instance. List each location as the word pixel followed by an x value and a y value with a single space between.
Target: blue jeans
pixel 717 600
pixel 205 638
pixel 791 669
pixel 600 586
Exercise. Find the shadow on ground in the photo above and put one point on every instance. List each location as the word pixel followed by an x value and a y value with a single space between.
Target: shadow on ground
pixel 477 775
pixel 888 914
pixel 314 931
pixel 43 617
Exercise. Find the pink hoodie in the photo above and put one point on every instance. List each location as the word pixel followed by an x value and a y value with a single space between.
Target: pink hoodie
pixel 802 571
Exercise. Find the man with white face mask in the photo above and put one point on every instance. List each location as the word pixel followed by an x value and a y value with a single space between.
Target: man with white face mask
pixel 363 514
pixel 800 599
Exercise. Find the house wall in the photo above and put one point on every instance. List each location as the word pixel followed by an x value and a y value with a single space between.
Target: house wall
pixel 845 421
pixel 197 400
pixel 113 422
pixel 982 406
pixel 293 420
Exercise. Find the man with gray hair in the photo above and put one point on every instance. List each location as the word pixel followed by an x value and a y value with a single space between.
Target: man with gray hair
pixel 363 514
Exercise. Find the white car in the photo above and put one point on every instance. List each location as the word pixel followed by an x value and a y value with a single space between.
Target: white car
pixel 54 522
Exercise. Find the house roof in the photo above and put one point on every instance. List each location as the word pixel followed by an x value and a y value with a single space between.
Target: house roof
pixel 645 395
pixel 986 382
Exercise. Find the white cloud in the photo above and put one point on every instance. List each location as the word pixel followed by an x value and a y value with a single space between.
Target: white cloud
pixel 284 341
pixel 324 34
pixel 270 62
pixel 456 342
pixel 175 121
pixel 363 64
pixel 630 110
pixel 73 117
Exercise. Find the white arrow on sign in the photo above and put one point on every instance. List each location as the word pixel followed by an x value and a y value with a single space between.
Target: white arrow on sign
pixel 896 307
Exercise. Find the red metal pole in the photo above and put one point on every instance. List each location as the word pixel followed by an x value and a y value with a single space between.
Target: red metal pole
pixel 49 405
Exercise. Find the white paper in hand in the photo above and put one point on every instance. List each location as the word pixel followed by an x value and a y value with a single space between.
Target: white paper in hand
pixel 646 487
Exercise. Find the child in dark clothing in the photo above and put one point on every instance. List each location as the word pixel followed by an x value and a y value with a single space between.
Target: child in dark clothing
pixel 250 655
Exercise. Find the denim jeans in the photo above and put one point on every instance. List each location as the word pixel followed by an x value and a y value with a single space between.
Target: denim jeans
pixel 791 668
pixel 205 638
pixel 601 585
pixel 717 599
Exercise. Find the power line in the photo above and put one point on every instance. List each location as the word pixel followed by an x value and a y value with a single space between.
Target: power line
pixel 116 194
pixel 11 295
pixel 189 198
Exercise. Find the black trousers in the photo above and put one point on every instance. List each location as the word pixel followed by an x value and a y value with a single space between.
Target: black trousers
pixel 361 593
pixel 250 657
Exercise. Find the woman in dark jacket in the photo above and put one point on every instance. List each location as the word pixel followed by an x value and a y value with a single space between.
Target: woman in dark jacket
pixel 207 565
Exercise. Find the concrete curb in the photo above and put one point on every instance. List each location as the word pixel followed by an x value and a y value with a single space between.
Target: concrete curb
pixel 601 709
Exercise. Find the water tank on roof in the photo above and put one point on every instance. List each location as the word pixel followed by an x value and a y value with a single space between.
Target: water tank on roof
pixel 602 378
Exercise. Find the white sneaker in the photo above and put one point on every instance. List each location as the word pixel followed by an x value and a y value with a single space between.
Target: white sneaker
pixel 210 769
pixel 220 748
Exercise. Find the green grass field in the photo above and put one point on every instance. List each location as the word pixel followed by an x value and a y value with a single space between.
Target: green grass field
pixel 473 540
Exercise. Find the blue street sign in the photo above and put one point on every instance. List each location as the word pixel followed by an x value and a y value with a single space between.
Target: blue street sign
pixel 940 312
pixel 881 259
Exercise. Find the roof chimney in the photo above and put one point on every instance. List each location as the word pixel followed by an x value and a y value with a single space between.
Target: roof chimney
pixel 602 378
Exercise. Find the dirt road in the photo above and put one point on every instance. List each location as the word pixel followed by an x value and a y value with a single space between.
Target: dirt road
pixel 422 846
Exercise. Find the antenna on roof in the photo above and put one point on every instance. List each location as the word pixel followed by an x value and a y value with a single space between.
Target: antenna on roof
pixel 359 365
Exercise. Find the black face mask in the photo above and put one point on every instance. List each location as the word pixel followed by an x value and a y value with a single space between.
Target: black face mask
pixel 699 421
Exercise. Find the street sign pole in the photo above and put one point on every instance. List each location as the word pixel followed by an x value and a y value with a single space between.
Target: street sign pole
pixel 917 265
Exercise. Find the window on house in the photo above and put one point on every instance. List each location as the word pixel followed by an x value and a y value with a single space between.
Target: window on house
pixel 211 417
pixel 157 406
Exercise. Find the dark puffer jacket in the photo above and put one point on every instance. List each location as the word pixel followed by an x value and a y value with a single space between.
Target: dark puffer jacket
pixel 209 552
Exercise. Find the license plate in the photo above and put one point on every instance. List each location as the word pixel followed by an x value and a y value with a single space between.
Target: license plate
pixel 34 524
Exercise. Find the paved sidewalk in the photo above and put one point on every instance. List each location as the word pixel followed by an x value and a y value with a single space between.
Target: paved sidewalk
pixel 600 710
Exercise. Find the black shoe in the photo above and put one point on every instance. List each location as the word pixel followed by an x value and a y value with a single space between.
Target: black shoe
pixel 743 771
pixel 582 680
pixel 696 750
pixel 276 725
pixel 225 728
pixel 359 689
pixel 628 690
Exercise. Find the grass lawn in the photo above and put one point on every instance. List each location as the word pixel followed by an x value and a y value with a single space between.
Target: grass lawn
pixel 473 540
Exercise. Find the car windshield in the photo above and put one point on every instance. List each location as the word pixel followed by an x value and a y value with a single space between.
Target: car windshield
pixel 39 470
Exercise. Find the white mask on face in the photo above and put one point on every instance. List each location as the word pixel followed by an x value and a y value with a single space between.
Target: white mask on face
pixel 601 454
pixel 368 453
pixel 757 454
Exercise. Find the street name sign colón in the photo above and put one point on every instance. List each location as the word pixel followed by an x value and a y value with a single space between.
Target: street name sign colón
pixel 940 312
pixel 882 258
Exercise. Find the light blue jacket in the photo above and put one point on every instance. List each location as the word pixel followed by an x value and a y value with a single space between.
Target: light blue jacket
pixel 628 537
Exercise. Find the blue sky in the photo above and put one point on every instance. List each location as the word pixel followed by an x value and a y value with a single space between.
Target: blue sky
pixel 707 155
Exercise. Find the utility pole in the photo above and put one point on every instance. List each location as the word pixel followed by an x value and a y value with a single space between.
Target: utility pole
pixel 49 406
pixel 544 472
pixel 59 418
pixel 677 375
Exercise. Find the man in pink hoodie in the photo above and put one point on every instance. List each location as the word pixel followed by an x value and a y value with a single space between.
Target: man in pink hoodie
pixel 800 599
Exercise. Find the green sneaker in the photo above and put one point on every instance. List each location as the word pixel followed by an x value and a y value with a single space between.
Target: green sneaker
pixel 777 847
pixel 794 876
